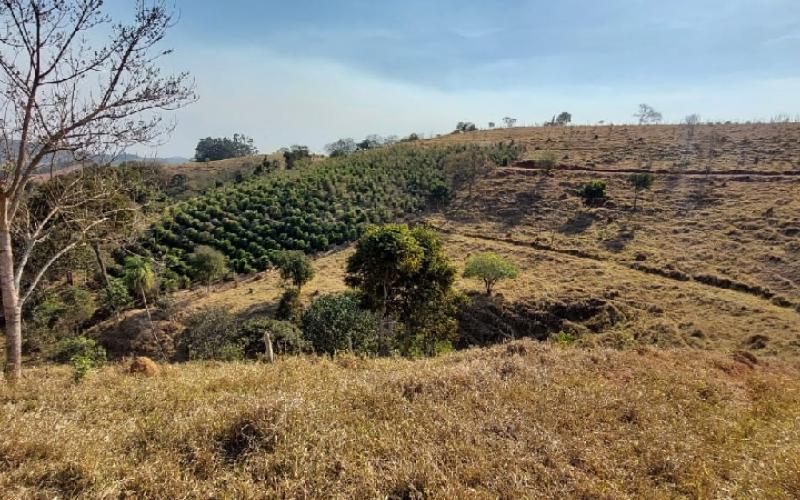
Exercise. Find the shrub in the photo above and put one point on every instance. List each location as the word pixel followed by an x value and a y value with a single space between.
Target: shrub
pixel 490 268
pixel 116 297
pixel 212 333
pixel 82 353
pixel 592 192
pixel 286 337
pixel 335 323
pixel 289 306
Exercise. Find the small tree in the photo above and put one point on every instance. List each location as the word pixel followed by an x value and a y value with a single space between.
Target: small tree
pixel 465 127
pixel 384 257
pixel 691 121
pixel 490 268
pixel 403 274
pixel 295 267
pixel 295 154
pixel 509 122
pixel 592 192
pixel 639 182
pixel 342 147
pixel 647 115
pixel 463 169
pixel 563 119
pixel 139 277
pixel 208 265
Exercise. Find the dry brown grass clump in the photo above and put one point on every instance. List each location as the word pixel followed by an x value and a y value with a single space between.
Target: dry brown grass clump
pixel 519 420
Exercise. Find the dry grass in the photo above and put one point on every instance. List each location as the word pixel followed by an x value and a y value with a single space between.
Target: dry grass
pixel 758 147
pixel 518 420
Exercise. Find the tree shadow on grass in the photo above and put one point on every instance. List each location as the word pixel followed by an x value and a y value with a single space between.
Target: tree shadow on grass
pixel 577 224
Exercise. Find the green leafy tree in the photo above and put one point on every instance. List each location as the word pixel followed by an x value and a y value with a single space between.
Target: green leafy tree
pixel 208 265
pixel 295 267
pixel 639 182
pixel 490 268
pixel 404 276
pixel 336 323
pixel 384 258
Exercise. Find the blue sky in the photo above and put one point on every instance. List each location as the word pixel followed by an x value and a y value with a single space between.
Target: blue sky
pixel 311 71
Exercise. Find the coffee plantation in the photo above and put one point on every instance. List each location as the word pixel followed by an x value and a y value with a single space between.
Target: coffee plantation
pixel 326 203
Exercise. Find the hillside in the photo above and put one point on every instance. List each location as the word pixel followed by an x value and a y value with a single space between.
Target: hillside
pixel 707 261
pixel 648 353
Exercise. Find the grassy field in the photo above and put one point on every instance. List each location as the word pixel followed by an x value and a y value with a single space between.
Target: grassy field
pixel 525 419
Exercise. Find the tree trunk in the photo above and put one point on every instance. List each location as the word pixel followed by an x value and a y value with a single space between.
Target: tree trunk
pixel 11 306
pixel 152 327
pixel 270 354
pixel 635 198
pixel 100 263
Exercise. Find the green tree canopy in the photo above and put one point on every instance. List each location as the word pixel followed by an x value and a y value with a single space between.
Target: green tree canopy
pixel 139 276
pixel 490 268
pixel 403 274
pixel 384 259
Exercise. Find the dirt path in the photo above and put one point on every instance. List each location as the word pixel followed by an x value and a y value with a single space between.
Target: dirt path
pixel 673 274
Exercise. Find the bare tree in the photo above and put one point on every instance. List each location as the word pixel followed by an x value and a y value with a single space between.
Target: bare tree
pixel 647 115
pixel 64 97
pixel 691 121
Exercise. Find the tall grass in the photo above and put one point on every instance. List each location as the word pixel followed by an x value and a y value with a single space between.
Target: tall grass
pixel 519 420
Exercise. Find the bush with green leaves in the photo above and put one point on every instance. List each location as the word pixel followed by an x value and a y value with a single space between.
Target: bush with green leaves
pixel 286 337
pixel 337 323
pixel 116 297
pixel 490 268
pixel 289 306
pixel 295 267
pixel 84 354
pixel 593 192
pixel 212 333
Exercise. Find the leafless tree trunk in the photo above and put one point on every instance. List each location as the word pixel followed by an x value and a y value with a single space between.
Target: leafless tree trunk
pixel 64 100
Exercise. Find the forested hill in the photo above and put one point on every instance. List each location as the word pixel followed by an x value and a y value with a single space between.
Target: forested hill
pixel 316 206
